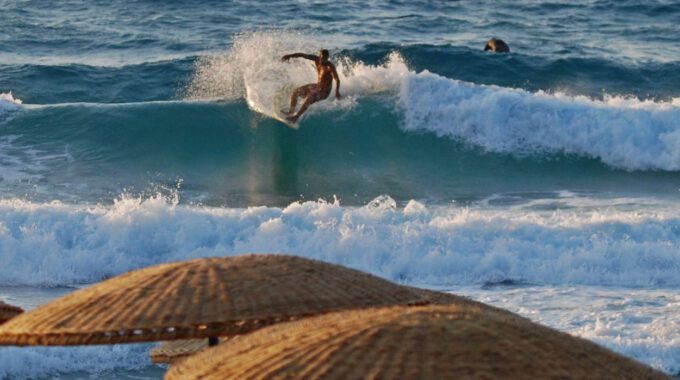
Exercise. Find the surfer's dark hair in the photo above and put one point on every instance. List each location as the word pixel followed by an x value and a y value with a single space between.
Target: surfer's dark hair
pixel 324 53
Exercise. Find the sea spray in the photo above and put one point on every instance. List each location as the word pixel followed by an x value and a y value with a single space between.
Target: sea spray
pixel 254 58
pixel 252 70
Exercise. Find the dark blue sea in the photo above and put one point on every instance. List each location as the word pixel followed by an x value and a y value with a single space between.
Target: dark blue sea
pixel 545 180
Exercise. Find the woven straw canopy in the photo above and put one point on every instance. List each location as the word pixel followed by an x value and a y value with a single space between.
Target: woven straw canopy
pixel 420 342
pixel 8 311
pixel 169 352
pixel 200 299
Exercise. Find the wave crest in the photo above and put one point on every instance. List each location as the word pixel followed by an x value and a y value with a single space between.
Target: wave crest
pixel 8 102
pixel 59 244
pixel 624 133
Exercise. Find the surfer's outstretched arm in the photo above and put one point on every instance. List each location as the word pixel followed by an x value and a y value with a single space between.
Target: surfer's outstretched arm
pixel 337 81
pixel 298 55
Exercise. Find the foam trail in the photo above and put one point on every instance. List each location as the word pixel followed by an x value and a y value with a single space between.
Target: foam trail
pixel 58 244
pixel 8 102
pixel 9 98
pixel 624 133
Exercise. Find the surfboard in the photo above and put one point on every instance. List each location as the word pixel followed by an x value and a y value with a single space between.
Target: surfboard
pixel 270 101
pixel 282 117
pixel 280 100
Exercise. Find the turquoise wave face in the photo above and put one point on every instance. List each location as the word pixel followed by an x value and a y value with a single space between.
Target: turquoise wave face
pixel 223 153
pixel 136 134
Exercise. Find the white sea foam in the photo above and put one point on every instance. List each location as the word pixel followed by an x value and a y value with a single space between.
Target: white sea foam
pixel 639 323
pixel 9 98
pixel 56 244
pixel 622 132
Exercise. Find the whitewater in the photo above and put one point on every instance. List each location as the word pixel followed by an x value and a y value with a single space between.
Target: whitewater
pixel 595 243
pixel 544 181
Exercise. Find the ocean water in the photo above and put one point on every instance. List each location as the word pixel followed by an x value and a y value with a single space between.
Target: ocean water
pixel 545 181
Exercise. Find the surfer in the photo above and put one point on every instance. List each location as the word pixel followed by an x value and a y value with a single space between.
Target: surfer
pixel 313 92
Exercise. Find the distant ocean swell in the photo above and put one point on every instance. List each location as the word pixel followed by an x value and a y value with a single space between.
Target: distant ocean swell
pixel 59 244
pixel 165 79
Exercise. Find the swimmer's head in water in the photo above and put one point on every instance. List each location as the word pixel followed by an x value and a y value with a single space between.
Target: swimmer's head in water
pixel 497 46
pixel 323 54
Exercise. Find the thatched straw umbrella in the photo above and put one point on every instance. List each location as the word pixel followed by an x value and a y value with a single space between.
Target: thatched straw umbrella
pixel 203 298
pixel 8 311
pixel 172 351
pixel 418 342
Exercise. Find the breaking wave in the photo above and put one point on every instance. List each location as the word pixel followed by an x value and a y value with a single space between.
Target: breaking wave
pixel 60 244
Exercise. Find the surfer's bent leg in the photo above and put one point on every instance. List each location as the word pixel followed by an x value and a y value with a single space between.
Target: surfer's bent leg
pixel 314 96
pixel 303 91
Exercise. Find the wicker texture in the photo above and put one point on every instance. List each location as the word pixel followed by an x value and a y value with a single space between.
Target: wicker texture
pixel 425 342
pixel 201 298
pixel 8 311
pixel 170 352
pixel 443 298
